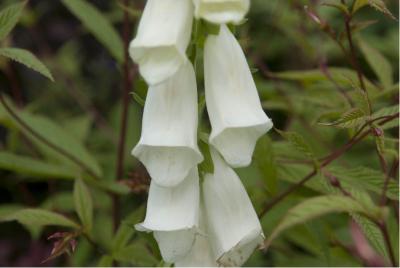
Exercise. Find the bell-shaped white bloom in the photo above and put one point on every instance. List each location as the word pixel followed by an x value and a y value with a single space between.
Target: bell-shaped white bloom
pixel 172 215
pixel 235 230
pixel 233 104
pixel 162 38
pixel 168 144
pixel 221 11
pixel 201 254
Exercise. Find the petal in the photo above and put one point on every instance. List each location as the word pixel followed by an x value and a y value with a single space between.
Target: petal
pixel 175 245
pixel 168 144
pixel 201 254
pixel 221 11
pixel 162 38
pixel 233 104
pixel 173 208
pixel 235 230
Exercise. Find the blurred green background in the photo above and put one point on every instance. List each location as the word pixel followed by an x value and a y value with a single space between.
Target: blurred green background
pixel 287 51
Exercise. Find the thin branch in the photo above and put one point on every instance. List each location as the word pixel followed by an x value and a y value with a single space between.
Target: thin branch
pixel 330 158
pixel 127 83
pixel 53 146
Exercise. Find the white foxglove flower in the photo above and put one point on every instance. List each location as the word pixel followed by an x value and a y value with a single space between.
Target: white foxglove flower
pixel 235 230
pixel 201 254
pixel 233 104
pixel 221 11
pixel 172 215
pixel 162 38
pixel 168 144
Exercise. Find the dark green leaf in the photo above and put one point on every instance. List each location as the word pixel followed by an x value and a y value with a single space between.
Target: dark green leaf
pixel 381 6
pixel 98 25
pixel 26 58
pixel 136 254
pixel 350 119
pixel 105 261
pixel 83 204
pixel 265 160
pixel 9 17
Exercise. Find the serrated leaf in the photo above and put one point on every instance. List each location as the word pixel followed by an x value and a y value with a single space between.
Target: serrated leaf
pixel 316 207
pixel 372 232
pixel 83 204
pixel 265 160
pixel 9 17
pixel 26 58
pixel 381 6
pixel 98 25
pixel 33 167
pixel 379 64
pixel 39 217
pixel 298 142
pixel 352 118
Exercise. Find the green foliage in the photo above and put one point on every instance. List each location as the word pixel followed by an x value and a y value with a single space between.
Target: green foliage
pixel 98 25
pixel 9 17
pixel 350 119
pixel 26 58
pixel 83 204
pixel 39 217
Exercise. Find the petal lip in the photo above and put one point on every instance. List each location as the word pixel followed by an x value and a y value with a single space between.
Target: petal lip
pixel 222 11
pixel 157 62
pixel 169 175
pixel 232 153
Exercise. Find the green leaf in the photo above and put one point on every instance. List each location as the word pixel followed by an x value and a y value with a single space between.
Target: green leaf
pixel 127 229
pixel 26 58
pixel 78 127
pixel 83 204
pixel 387 111
pixel 379 64
pixel 316 207
pixel 39 217
pixel 138 98
pixel 298 142
pixel 105 261
pixel 359 4
pixel 381 6
pixel 207 166
pixel 332 3
pixel 60 201
pixel 98 25
pixel 9 17
pixel 7 209
pixel 136 254
pixel 58 136
pixel 352 118
pixel 372 232
pixel 265 160
pixel 30 166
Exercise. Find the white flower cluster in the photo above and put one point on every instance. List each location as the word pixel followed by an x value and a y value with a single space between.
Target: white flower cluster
pixel 214 224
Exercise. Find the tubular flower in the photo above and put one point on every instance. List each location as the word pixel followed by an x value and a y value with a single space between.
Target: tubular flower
pixel 221 11
pixel 168 144
pixel 235 230
pixel 172 215
pixel 201 254
pixel 233 104
pixel 162 38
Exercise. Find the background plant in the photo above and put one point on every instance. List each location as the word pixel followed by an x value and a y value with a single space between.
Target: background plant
pixel 325 183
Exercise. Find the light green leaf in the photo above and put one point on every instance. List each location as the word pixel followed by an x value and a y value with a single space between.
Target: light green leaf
pixel 9 17
pixel 136 254
pixel 79 127
pixel 83 204
pixel 372 232
pixel 98 25
pixel 33 167
pixel 379 64
pixel 387 111
pixel 316 207
pixel 381 6
pixel 265 160
pixel 26 58
pixel 359 4
pixel 7 209
pixel 60 201
pixel 298 142
pixel 105 261
pixel 127 229
pixel 352 118
pixel 39 217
